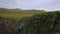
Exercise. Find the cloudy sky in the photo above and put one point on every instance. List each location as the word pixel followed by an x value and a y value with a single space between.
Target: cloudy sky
pixel 31 4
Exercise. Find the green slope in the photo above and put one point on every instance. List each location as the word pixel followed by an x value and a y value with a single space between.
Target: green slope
pixel 17 14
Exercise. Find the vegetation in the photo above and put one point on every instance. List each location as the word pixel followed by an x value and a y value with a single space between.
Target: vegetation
pixel 29 22
pixel 17 14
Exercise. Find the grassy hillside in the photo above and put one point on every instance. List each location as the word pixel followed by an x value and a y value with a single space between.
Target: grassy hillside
pixel 29 21
pixel 18 14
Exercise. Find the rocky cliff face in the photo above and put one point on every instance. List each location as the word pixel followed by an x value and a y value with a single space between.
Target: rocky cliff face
pixel 9 26
pixel 47 23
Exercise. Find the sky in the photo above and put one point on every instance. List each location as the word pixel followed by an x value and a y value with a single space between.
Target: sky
pixel 47 5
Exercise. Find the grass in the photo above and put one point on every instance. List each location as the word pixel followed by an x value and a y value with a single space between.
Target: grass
pixel 18 14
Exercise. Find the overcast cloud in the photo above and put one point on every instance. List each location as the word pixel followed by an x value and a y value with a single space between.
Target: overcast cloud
pixel 31 4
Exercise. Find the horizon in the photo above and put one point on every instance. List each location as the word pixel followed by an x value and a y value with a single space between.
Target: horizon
pixel 27 9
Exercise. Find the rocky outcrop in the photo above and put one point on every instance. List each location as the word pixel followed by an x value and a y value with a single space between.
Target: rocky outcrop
pixel 43 24
pixel 47 23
